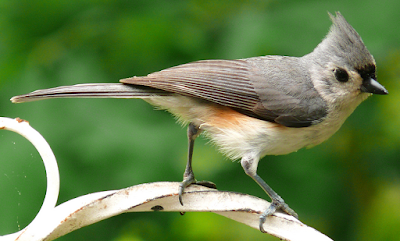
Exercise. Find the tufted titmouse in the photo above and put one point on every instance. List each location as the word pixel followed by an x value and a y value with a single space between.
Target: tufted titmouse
pixel 270 105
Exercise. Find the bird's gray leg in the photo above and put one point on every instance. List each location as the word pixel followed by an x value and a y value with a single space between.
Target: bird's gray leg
pixel 249 163
pixel 193 131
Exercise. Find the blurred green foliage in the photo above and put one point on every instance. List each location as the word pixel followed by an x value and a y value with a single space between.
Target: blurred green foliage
pixel 348 187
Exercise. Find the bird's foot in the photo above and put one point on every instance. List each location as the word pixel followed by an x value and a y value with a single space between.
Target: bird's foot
pixel 278 204
pixel 189 180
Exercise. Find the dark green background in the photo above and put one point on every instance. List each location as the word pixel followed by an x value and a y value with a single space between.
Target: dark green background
pixel 347 187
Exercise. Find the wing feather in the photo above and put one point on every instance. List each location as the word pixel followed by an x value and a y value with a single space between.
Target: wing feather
pixel 260 87
pixel 224 82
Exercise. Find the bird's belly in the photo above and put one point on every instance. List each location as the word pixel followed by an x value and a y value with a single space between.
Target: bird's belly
pixel 237 134
pixel 266 138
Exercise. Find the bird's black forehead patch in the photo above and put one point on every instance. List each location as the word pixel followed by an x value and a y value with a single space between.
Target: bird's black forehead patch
pixel 367 71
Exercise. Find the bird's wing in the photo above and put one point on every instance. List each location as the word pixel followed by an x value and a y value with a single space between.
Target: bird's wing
pixel 232 83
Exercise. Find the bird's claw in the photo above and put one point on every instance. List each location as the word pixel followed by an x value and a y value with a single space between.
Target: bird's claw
pixel 187 181
pixel 275 205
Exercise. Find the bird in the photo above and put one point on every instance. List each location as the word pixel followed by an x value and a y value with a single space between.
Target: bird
pixel 253 107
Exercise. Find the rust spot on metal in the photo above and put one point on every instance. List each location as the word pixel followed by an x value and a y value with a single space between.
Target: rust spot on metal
pixel 152 199
pixel 157 208
pixel 246 210
pixel 107 196
pixel 19 120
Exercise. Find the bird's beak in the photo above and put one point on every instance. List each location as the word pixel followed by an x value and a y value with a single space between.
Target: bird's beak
pixel 372 86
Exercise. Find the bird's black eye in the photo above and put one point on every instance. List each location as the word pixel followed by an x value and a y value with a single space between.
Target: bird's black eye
pixel 341 75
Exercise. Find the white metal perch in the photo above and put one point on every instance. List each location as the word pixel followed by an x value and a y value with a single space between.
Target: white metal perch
pixel 53 222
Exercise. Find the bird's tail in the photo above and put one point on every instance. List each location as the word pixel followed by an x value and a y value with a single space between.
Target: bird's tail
pixel 101 90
